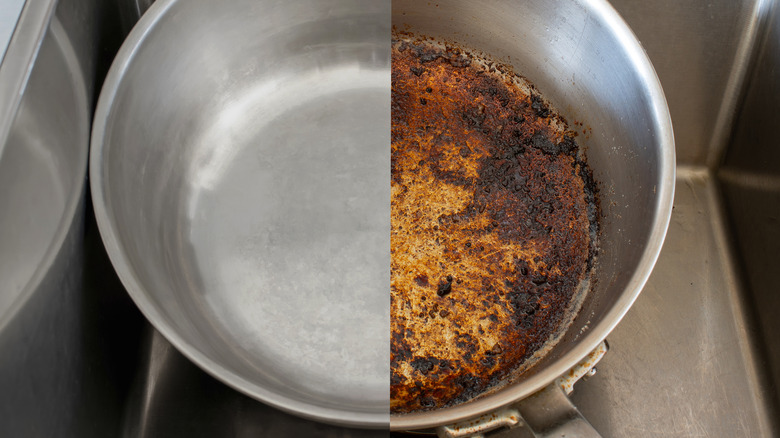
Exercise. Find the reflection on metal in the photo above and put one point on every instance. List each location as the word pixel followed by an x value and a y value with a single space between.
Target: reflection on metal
pixel 172 397
pixel 701 51
pixel 18 60
pixel 689 352
pixel 750 180
pixel 250 220
pixel 9 15
pixel 42 188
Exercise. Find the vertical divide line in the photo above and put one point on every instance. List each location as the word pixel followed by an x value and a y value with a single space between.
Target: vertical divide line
pixel 389 5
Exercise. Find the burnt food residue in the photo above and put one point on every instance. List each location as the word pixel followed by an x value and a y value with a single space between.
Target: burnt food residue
pixel 493 224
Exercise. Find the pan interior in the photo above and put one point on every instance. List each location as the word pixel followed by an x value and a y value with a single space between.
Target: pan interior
pixel 243 190
pixel 287 222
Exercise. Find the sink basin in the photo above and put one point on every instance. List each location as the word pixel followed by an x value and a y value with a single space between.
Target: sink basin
pixel 693 357
pixel 697 355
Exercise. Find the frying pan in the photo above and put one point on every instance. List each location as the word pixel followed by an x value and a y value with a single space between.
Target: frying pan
pixel 241 182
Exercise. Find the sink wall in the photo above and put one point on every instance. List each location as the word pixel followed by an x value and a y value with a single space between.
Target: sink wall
pixel 698 355
pixel 750 181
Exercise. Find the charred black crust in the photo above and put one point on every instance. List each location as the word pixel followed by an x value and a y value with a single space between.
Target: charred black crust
pixel 517 175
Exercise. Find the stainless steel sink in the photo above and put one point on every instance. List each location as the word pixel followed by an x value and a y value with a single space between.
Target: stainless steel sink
pixel 697 355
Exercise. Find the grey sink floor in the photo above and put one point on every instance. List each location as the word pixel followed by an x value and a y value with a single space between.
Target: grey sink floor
pixel 683 362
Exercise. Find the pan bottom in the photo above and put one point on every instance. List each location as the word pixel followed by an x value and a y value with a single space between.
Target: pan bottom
pixel 241 184
pixel 287 227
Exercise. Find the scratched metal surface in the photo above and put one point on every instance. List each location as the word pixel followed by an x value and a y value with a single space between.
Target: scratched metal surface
pixel 682 362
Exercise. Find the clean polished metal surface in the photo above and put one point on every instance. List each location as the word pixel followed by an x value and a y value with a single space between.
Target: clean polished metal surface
pixel 241 181
pixel 47 179
pixel 583 58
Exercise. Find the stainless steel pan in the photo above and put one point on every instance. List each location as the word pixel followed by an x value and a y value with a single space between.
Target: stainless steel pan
pixel 240 176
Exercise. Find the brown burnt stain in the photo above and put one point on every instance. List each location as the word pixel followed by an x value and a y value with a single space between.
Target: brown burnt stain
pixel 493 214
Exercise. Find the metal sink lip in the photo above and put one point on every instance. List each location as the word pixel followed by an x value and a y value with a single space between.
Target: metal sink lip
pixel 75 197
pixel 19 58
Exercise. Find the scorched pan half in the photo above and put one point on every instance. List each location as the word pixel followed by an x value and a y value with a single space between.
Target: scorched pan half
pixel 585 61
pixel 493 230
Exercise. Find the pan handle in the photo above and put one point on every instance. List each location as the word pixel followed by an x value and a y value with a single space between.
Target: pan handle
pixel 546 414
pixel 549 413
